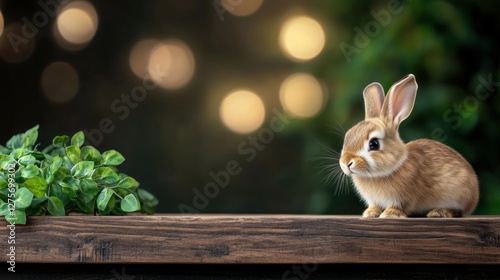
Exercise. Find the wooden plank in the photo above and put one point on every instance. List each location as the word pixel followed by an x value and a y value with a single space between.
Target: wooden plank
pixel 254 239
pixel 249 272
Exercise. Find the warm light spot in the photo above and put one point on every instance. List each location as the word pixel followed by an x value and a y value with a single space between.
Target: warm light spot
pixel 301 95
pixel 77 22
pixel 241 7
pixel 1 23
pixel 60 82
pixel 159 63
pixel 14 48
pixel 171 64
pixel 302 38
pixel 139 56
pixel 242 111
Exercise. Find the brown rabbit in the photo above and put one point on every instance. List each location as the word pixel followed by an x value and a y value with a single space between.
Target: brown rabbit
pixel 423 177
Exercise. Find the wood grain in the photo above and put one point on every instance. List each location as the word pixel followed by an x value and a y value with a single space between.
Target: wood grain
pixel 254 239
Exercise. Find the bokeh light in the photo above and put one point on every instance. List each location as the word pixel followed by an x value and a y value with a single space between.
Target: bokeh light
pixel 139 56
pixel 18 49
pixel 301 38
pixel 1 23
pixel 171 64
pixel 242 111
pixel 301 95
pixel 241 7
pixel 60 82
pixel 77 22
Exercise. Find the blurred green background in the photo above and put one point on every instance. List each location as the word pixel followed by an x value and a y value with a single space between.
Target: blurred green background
pixel 176 134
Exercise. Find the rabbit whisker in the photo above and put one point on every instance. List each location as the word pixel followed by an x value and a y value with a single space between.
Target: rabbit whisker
pixel 329 164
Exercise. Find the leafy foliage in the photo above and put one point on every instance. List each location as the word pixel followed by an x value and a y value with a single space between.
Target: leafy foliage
pixel 65 177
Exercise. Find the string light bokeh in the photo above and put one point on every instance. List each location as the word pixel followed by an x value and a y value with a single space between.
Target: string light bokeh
pixel 60 82
pixel 241 8
pixel 76 25
pixel 171 64
pixel 19 52
pixel 302 95
pixel 139 56
pixel 242 111
pixel 301 38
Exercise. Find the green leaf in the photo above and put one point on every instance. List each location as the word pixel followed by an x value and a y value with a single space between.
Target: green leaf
pixel 45 164
pixel 144 195
pixel 35 211
pixel 4 209
pixel 18 153
pixel 56 190
pixel 78 139
pixel 105 175
pixel 55 206
pixel 127 182
pixel 49 149
pixel 91 153
pixel 70 186
pixel 130 203
pixel 82 169
pixel 30 136
pixel 109 207
pixel 72 182
pixel 85 198
pixel 60 141
pixel 40 155
pixel 73 153
pixel 36 185
pixel 89 187
pixel 103 198
pixel 86 207
pixel 37 201
pixel 27 160
pixel 19 217
pixel 4 150
pixel 149 201
pixel 112 157
pixel 3 194
pixel 3 183
pixel 67 163
pixel 61 173
pixel 57 161
pixel 7 162
pixel 47 176
pixel 23 198
pixel 69 191
pixel 15 142
pixel 29 171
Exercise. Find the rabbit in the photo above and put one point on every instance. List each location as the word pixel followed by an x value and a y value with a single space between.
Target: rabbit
pixel 397 180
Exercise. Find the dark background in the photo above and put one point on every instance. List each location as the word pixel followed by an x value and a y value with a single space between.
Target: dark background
pixel 175 138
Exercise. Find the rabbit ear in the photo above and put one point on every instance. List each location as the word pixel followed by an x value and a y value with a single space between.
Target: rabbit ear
pixel 374 98
pixel 400 99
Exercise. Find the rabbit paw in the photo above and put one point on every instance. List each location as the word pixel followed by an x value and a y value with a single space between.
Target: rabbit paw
pixel 393 213
pixel 372 212
pixel 443 213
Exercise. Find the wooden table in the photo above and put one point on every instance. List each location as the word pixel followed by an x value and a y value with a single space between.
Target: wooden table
pixel 254 246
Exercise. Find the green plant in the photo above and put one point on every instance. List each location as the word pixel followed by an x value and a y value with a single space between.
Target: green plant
pixel 65 177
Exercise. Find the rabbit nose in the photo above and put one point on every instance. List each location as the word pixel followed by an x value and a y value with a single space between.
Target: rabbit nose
pixel 350 165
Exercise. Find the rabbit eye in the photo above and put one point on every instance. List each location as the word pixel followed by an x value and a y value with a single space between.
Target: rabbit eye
pixel 374 145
